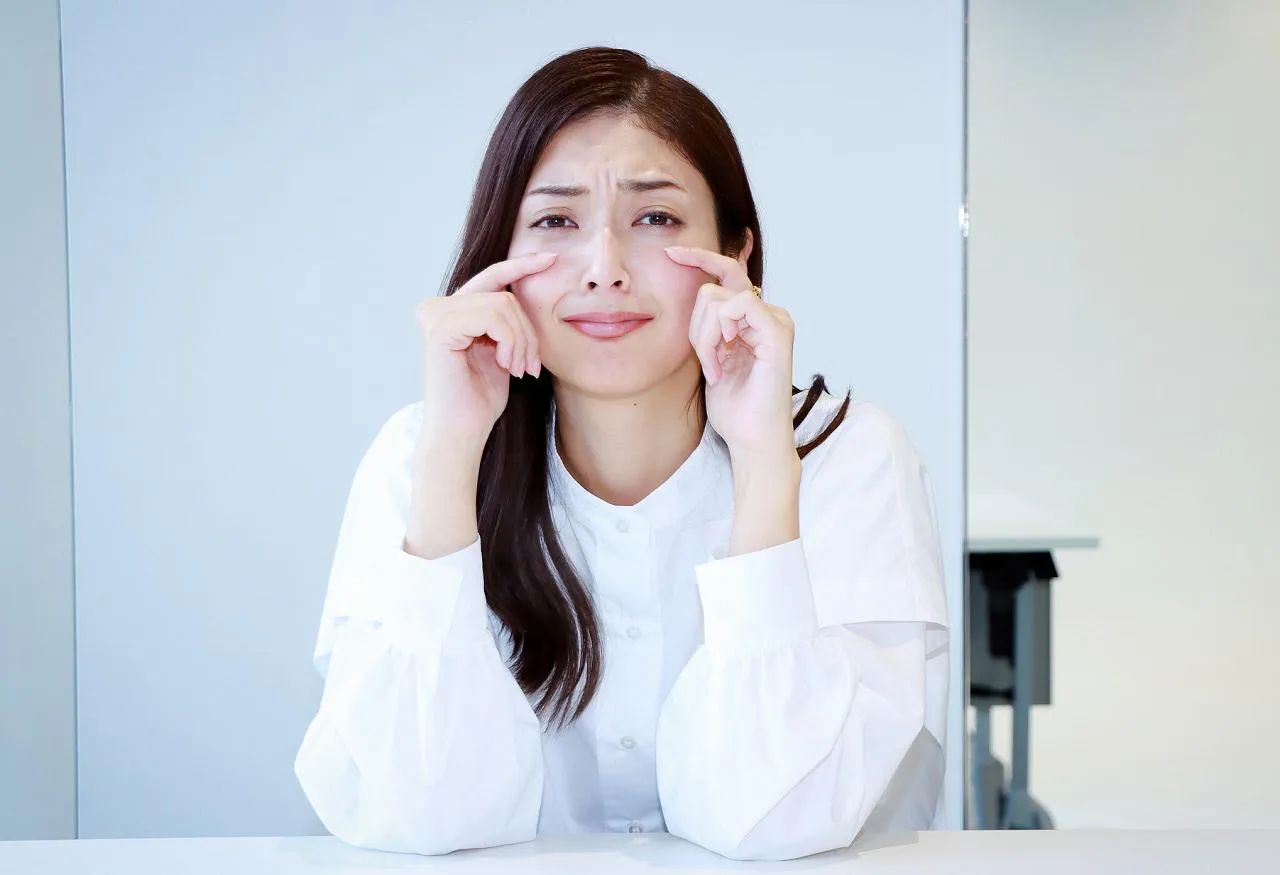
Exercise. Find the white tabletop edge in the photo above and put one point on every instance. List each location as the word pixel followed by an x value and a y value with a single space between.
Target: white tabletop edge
pixel 1030 543
pixel 990 852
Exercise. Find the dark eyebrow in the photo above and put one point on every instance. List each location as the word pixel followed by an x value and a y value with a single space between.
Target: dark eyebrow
pixel 632 186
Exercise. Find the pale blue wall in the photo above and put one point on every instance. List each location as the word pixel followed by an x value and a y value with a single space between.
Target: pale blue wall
pixel 260 193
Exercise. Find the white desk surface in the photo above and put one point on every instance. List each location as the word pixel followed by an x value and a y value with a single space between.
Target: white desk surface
pixel 971 853
pixel 1029 543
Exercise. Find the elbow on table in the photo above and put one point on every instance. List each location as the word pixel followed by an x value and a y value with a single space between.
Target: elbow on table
pixel 827 810
pixel 410 820
pixel 798 839
pixel 413 826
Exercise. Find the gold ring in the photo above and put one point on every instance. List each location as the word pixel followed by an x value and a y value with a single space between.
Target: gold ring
pixel 758 292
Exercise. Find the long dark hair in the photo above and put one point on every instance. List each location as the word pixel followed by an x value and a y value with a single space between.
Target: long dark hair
pixel 530 584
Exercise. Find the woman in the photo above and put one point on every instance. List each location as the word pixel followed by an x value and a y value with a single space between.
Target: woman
pixel 613 573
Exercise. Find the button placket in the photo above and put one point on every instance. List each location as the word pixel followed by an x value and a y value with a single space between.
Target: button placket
pixel 626 702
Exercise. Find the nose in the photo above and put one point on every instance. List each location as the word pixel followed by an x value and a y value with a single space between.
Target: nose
pixel 605 269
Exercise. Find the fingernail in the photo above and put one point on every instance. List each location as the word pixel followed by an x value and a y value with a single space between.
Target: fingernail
pixel 675 249
pixel 545 255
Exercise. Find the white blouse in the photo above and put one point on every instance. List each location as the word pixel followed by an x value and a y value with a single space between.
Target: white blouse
pixel 768 705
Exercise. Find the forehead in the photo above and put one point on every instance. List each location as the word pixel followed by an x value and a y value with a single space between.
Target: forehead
pixel 608 144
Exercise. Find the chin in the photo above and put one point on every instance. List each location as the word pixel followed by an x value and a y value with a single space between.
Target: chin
pixel 604 383
pixel 616 379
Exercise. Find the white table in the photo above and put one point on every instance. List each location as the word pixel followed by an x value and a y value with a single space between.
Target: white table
pixel 1047 852
pixel 1001 562
pixel 1029 543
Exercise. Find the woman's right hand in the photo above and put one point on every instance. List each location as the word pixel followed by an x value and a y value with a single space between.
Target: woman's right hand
pixel 474 341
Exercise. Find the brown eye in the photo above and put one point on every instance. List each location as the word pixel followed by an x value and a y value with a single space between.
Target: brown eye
pixel 668 220
pixel 557 217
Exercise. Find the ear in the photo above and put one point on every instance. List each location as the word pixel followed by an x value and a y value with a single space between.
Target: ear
pixel 746 248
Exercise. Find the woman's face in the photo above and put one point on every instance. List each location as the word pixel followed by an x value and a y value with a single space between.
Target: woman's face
pixel 608 197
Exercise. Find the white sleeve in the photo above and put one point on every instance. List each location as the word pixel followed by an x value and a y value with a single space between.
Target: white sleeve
pixel 423 741
pixel 816 707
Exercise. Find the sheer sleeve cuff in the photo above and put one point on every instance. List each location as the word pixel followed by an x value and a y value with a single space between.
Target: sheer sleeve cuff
pixel 423 601
pixel 757 600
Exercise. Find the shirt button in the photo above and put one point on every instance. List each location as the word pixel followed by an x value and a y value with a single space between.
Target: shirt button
pixel 633 632
pixel 627 742
pixel 636 827
pixel 622 526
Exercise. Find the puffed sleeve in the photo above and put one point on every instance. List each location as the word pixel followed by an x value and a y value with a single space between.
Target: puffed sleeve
pixel 816 707
pixel 423 741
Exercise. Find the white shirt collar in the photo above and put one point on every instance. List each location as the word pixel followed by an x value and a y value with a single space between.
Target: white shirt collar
pixel 673 500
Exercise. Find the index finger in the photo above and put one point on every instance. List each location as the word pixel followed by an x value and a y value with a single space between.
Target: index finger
pixel 723 267
pixel 501 274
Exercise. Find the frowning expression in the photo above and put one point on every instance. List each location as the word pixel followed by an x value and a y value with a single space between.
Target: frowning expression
pixel 612 313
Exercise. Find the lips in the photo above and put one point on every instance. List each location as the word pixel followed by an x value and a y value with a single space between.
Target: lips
pixel 606 325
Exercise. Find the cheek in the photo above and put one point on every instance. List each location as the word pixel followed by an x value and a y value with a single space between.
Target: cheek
pixel 537 294
pixel 674 286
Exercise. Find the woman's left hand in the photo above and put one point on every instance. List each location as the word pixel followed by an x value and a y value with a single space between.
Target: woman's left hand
pixel 745 346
